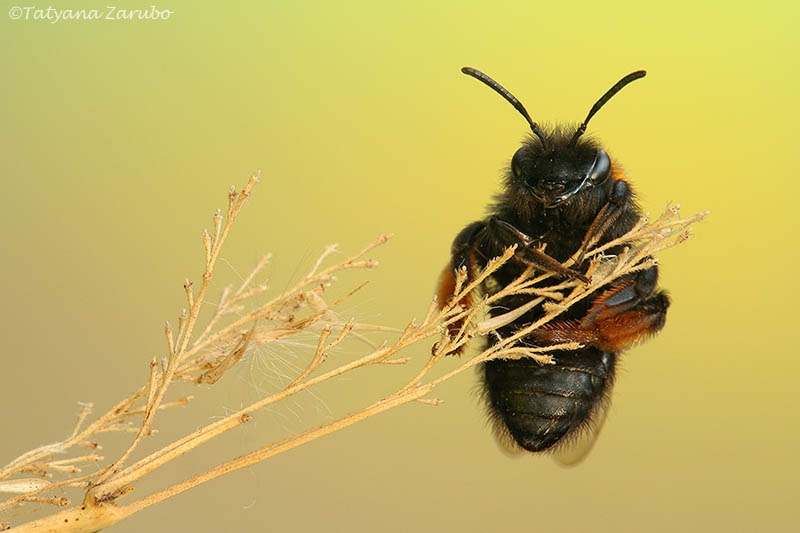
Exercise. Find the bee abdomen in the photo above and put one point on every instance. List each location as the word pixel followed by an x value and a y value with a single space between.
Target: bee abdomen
pixel 540 404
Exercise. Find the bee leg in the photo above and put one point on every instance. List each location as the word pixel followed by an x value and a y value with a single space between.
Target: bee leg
pixel 535 257
pixel 629 327
pixel 623 296
pixel 463 252
pixel 465 246
pixel 617 201
pixel 529 253
pixel 623 315
pixel 463 255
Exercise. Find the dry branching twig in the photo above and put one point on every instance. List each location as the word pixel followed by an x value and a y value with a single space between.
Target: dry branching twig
pixel 204 357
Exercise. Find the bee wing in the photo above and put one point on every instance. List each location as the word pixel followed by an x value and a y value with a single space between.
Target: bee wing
pixel 575 448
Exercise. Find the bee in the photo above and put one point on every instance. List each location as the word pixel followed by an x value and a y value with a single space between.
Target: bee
pixel 562 191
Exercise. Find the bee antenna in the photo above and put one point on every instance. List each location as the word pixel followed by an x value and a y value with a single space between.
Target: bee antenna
pixel 510 98
pixel 633 76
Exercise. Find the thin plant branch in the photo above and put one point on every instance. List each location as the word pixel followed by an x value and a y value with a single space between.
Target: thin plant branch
pixel 237 325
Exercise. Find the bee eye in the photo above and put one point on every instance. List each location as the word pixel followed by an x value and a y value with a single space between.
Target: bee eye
pixel 516 169
pixel 600 168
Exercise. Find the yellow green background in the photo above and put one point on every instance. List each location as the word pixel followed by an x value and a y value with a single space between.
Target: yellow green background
pixel 119 139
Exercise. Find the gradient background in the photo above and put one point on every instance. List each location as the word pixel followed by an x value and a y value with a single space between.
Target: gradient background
pixel 119 139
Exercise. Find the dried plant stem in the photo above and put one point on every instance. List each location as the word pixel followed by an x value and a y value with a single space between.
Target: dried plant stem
pixel 159 384
pixel 205 357
pixel 394 400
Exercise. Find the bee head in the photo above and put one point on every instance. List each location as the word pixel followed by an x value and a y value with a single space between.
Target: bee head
pixel 557 173
pixel 557 166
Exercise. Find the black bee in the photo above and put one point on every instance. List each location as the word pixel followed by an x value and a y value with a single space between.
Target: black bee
pixel 561 192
